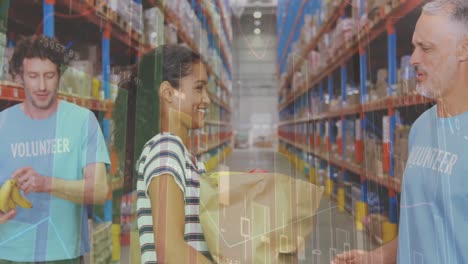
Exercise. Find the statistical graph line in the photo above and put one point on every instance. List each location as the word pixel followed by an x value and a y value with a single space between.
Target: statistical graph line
pixel 271 231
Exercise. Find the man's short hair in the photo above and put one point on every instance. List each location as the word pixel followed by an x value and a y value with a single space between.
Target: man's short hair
pixel 37 46
pixel 457 10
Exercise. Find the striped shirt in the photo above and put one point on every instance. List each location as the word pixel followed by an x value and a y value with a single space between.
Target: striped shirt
pixel 166 154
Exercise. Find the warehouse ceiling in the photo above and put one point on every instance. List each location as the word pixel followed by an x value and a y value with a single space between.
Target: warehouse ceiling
pixel 240 6
pixel 254 55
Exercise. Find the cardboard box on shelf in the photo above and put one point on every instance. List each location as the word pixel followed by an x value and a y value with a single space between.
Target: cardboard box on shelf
pixel 314 59
pixel 344 31
pixel 335 104
pixel 401 139
pixel 401 150
pixel 289 62
pixel 407 87
pixel 308 31
pixel 324 46
pixel 5 54
pixel 336 152
pixel 353 99
pixel 86 52
pixel 373 9
pixel 154 26
pixel 382 76
pixel 295 50
pixel 113 5
pixel 315 106
pixel 400 164
pixel 323 145
pixel 170 34
pixel 84 66
pixel 373 156
pixel 325 107
pixel 381 85
pixel 124 10
pixel 379 159
pixel 327 8
pixel 298 80
pixel 305 69
pixel 407 77
pixel 350 153
pixel 356 6
pixel 136 16
pixel 350 148
pixel 369 165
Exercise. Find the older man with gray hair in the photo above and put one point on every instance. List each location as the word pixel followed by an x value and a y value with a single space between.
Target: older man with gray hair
pixel 434 198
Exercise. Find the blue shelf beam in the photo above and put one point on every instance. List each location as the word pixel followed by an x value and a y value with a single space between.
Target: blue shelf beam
pixel 49 18
pixel 106 85
pixel 321 97
pixel 343 84
pixel 392 80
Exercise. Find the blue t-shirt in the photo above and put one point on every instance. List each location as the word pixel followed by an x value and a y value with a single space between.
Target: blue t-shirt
pixel 434 198
pixel 60 146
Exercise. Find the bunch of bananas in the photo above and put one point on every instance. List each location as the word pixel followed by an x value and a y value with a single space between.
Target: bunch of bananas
pixel 10 196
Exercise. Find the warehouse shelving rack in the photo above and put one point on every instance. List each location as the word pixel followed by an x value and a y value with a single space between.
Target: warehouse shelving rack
pixel 217 150
pixel 209 155
pixel 12 93
pixel 117 36
pixel 84 10
pixel 172 18
pixel 301 136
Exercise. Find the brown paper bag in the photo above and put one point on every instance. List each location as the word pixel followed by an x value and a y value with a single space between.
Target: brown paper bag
pixel 255 217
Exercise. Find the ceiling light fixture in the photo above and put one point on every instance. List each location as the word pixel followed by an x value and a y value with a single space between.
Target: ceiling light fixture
pixel 257 14
pixel 257 31
pixel 257 23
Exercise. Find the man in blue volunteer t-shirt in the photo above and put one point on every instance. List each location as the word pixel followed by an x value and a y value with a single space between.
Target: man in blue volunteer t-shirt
pixel 57 154
pixel 434 197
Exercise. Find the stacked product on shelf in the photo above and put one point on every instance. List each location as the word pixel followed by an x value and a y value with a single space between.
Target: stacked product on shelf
pixel 407 85
pixel 400 153
pixel 153 26
pixel 198 33
pixel 373 155
pixel 5 55
pixel 129 11
pixel 377 218
pixel 170 34
pixel 101 243
pixel 212 143
pixel 374 224
pixel 127 217
pixel 80 79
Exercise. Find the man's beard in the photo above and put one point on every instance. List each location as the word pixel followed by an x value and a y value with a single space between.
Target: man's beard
pixel 426 89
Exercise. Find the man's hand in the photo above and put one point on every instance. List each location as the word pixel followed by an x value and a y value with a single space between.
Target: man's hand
pixel 357 257
pixel 5 217
pixel 29 181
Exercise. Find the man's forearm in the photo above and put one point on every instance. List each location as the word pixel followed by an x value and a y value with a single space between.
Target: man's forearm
pixel 80 191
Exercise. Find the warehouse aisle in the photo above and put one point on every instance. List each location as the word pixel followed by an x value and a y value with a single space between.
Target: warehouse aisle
pixel 334 231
